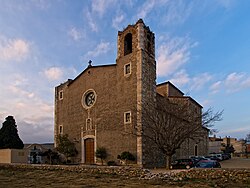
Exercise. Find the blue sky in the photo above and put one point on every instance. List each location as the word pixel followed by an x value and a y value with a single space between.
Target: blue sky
pixel 203 47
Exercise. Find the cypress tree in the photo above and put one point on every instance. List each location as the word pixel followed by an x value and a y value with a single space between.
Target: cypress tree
pixel 9 135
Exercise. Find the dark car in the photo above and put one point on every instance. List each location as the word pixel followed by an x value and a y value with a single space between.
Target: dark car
pixel 196 159
pixel 182 164
pixel 214 158
pixel 208 164
pixel 226 156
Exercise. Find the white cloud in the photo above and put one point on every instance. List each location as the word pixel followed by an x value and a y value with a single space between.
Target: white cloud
pixel 173 54
pixel 215 87
pixel 30 101
pixel 233 81
pixel 18 87
pixel 24 100
pixel 149 6
pixel 28 107
pixel 237 132
pixel 26 6
pixel 101 6
pixel 76 34
pixel 169 11
pixel 234 78
pixel 200 80
pixel 206 102
pixel 18 91
pixel 31 110
pixel 34 118
pixel 101 48
pixel 180 78
pixel 146 8
pixel 197 82
pixel 227 4
pixel 18 79
pixel 53 73
pixel 39 130
pixel 91 22
pixel 116 22
pixel 98 8
pixel 41 4
pixel 14 49
pixel 246 83
pixel 177 11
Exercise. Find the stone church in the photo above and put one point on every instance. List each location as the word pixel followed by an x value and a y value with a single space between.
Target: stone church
pixel 104 103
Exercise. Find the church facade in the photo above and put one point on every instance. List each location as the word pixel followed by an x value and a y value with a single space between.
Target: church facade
pixel 103 106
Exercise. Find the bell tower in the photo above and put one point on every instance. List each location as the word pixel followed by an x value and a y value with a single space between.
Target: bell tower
pixel 136 50
pixel 136 37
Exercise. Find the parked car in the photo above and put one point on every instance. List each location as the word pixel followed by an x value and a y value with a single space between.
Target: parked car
pixel 182 164
pixel 226 156
pixel 208 164
pixel 218 155
pixel 197 158
pixel 213 158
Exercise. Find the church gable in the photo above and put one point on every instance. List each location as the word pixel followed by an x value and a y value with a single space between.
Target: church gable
pixel 104 69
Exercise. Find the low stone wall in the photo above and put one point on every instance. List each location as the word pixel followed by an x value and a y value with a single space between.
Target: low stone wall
pixel 222 175
pixel 218 175
pixel 128 171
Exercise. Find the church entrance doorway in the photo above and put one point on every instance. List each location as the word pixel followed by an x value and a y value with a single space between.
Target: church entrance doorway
pixel 89 151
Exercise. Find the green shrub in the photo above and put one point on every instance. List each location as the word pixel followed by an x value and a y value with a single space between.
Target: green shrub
pixel 126 156
pixel 111 163
pixel 66 147
pixel 101 153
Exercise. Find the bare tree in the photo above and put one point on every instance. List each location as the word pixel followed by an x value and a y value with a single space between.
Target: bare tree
pixel 248 137
pixel 209 118
pixel 247 142
pixel 174 120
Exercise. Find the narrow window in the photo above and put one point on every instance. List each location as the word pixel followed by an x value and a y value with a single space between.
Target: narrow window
pixel 61 95
pixel 128 44
pixel 60 129
pixel 88 124
pixel 127 69
pixel 149 43
pixel 196 150
pixel 127 117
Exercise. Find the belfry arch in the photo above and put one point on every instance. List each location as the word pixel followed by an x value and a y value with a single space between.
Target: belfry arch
pixel 128 44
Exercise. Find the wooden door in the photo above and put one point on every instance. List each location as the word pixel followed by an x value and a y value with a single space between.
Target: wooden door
pixel 89 151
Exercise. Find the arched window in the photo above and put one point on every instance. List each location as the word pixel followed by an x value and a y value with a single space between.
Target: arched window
pixel 128 44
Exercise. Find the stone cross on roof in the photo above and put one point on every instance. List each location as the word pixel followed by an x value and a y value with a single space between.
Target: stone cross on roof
pixel 89 63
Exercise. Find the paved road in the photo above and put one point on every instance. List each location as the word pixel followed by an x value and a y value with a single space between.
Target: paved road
pixel 231 163
pixel 236 163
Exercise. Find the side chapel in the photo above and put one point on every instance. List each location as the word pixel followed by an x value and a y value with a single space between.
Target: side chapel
pixel 104 103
